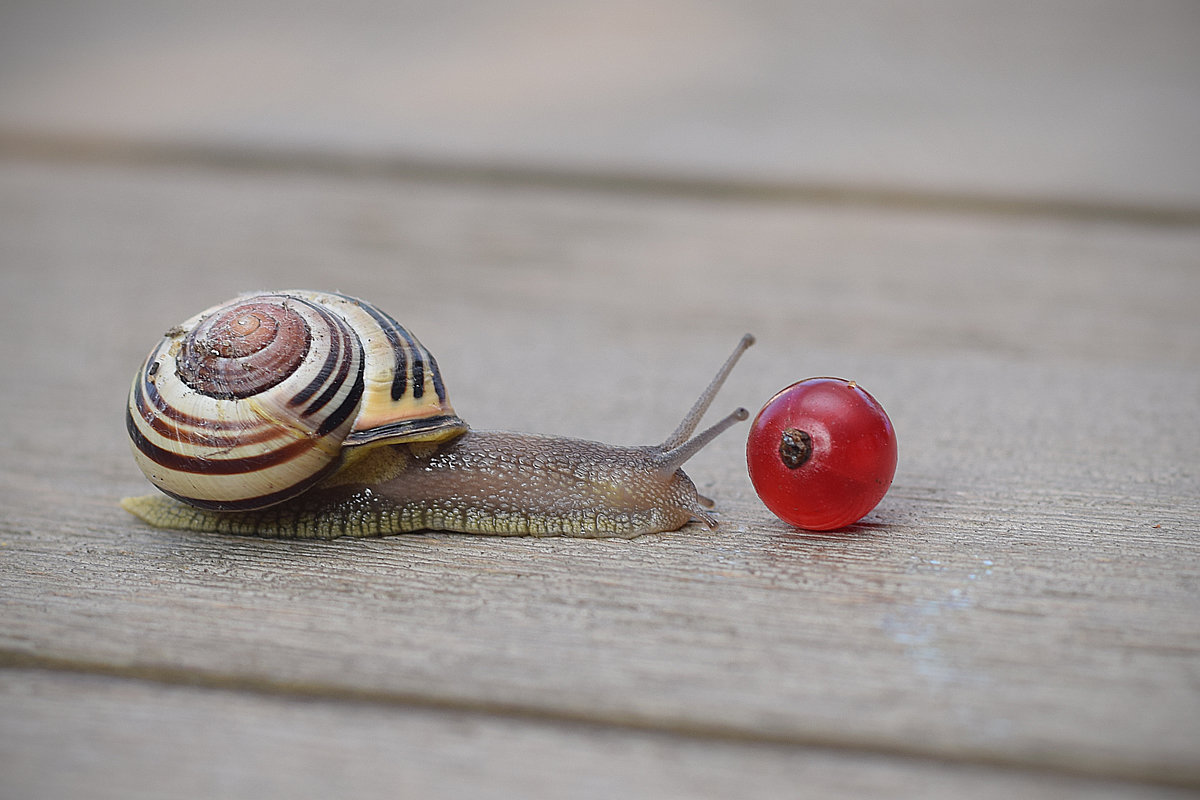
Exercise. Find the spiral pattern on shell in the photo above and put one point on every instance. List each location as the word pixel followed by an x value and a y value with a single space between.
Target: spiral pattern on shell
pixel 252 402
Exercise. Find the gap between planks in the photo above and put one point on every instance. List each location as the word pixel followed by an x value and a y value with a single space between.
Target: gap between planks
pixel 633 181
pixel 1055 764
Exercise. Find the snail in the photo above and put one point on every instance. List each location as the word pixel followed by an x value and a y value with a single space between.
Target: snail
pixel 306 414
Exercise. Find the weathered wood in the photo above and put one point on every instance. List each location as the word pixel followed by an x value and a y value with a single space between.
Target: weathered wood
pixel 1026 597
pixel 231 745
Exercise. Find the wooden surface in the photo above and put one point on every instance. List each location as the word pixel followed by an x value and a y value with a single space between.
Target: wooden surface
pixel 1020 616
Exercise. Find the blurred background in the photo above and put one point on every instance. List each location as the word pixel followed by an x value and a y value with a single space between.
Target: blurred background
pixel 1093 102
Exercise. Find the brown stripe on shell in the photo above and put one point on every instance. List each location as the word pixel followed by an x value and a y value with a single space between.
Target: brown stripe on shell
pixel 178 462
pixel 401 341
pixel 225 438
pixel 158 414
pixel 258 501
pixel 348 407
pixel 333 373
pixel 404 384
pixel 438 387
pixel 345 354
pixel 404 343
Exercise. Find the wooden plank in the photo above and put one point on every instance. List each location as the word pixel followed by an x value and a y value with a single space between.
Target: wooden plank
pixel 1078 99
pixel 1025 597
pixel 73 736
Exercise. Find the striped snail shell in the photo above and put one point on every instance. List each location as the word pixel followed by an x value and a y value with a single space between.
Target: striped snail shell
pixel 254 401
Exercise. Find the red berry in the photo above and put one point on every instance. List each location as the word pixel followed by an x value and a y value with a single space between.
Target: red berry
pixel 821 453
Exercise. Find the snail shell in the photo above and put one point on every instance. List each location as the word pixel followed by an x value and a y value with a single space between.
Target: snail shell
pixel 251 402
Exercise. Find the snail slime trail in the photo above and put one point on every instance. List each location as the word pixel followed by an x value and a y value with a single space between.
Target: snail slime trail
pixel 303 414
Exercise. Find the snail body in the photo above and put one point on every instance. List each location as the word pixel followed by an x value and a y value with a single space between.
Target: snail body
pixel 315 415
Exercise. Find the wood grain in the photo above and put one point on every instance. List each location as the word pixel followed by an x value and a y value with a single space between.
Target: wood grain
pixel 1024 606
pixel 237 745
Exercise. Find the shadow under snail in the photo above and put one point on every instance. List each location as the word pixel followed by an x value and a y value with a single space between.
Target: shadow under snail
pixel 305 414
